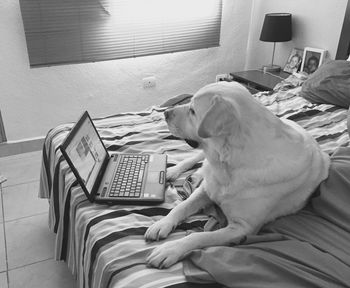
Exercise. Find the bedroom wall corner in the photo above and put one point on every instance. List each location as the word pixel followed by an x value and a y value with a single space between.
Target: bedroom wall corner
pixel 35 100
pixel 316 23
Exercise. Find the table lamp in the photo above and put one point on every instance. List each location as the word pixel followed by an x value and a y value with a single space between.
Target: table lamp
pixel 277 27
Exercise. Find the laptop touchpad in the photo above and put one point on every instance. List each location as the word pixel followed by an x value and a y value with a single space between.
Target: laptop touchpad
pixel 153 177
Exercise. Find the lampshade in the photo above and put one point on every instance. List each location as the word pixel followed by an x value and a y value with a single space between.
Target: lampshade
pixel 277 27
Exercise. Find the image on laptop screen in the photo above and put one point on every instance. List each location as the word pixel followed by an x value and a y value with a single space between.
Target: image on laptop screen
pixel 87 153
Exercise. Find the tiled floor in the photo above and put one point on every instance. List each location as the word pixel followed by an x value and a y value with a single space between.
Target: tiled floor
pixel 26 244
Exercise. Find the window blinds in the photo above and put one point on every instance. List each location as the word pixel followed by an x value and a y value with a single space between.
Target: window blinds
pixel 76 31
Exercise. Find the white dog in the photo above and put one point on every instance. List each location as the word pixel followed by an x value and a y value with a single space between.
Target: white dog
pixel 257 168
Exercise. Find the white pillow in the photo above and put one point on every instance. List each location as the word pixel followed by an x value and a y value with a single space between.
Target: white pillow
pixel 348 58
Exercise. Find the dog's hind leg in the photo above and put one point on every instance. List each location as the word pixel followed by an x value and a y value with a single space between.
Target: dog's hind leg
pixel 174 172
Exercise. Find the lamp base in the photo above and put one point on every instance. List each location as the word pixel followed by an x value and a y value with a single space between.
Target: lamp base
pixel 271 68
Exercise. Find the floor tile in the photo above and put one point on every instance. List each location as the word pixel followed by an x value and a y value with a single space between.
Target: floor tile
pixel 21 168
pixel 22 201
pixel 2 250
pixel 3 280
pixel 28 241
pixel 43 274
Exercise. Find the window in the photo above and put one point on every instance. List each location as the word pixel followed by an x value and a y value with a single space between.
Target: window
pixel 76 31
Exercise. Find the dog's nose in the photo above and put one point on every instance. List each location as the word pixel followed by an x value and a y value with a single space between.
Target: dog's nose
pixel 168 113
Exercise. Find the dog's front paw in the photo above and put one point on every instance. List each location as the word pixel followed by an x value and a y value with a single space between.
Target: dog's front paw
pixel 165 255
pixel 159 230
pixel 172 173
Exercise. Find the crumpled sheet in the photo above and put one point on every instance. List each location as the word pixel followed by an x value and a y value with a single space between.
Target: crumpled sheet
pixel 308 249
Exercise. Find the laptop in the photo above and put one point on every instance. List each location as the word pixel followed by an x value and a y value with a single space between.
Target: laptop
pixel 120 178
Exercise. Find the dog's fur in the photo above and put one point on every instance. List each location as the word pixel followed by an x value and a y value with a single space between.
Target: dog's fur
pixel 257 168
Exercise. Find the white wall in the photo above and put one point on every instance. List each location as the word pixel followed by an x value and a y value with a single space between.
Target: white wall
pixel 316 23
pixel 34 100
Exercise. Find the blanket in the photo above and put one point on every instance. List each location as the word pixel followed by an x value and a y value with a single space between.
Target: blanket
pixel 308 249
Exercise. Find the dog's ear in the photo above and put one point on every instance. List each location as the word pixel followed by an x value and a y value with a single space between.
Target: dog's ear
pixel 220 119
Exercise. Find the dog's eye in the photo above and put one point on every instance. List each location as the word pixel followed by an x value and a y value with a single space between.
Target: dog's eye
pixel 192 111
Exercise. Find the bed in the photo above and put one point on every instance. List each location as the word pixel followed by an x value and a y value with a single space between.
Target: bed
pixel 103 245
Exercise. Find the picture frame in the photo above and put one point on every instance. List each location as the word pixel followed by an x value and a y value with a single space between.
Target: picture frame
pixel 312 59
pixel 294 61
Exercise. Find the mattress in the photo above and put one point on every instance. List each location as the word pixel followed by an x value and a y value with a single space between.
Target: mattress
pixel 102 245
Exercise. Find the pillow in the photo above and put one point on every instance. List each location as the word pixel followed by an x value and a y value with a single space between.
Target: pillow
pixel 329 84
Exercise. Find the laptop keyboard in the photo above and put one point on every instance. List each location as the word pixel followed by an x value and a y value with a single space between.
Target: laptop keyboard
pixel 129 176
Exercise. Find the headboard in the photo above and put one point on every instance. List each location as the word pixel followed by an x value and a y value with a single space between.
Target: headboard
pixel 344 41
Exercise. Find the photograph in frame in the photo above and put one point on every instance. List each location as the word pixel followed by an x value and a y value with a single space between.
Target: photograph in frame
pixel 294 61
pixel 312 59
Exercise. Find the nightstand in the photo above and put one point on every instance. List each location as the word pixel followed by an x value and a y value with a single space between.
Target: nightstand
pixel 257 80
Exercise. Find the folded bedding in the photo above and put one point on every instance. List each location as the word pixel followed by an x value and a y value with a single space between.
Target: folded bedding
pixel 329 84
pixel 104 246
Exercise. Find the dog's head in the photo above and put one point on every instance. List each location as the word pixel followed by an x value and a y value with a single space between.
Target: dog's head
pixel 213 112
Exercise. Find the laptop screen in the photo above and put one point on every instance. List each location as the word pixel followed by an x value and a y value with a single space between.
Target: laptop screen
pixel 86 152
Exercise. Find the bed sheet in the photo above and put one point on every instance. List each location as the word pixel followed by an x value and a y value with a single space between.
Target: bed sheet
pixel 310 248
pixel 103 245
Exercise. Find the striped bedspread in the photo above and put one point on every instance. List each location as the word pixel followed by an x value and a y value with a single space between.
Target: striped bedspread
pixel 103 245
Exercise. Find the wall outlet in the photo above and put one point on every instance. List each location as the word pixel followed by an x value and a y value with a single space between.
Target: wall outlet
pixel 149 82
